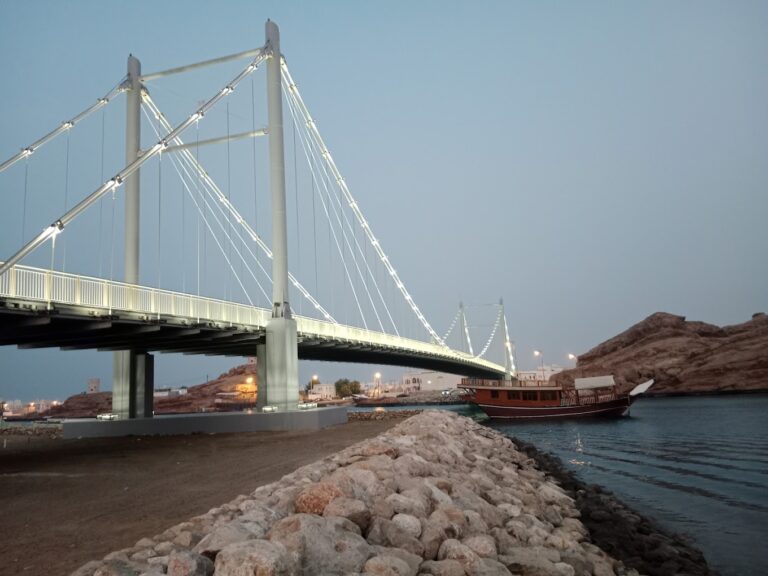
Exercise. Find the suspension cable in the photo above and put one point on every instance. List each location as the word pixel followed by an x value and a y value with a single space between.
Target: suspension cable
pixel 116 181
pixel 66 201
pixel 24 208
pixel 228 205
pixel 453 324
pixel 335 237
pixel 201 210
pixel 493 333
pixel 309 151
pixel 101 202
pixel 187 167
pixel 64 127
pixel 293 89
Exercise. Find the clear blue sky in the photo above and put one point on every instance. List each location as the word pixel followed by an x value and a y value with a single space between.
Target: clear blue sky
pixel 591 163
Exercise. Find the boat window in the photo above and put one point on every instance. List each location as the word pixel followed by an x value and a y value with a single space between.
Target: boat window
pixel 494 393
pixel 530 395
pixel 548 395
pixel 513 395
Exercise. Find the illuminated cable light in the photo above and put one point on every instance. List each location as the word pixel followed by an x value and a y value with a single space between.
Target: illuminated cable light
pixel 67 125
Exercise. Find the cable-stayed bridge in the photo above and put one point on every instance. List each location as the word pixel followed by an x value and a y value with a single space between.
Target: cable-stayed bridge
pixel 206 241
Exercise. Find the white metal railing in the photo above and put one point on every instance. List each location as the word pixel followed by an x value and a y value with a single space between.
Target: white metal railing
pixel 53 287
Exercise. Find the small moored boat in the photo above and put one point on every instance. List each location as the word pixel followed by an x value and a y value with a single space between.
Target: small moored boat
pixel 515 399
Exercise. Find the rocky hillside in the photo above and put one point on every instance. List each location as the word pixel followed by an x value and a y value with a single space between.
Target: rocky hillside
pixel 683 357
pixel 201 398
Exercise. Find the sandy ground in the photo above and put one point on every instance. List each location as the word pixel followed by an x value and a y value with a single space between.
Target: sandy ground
pixel 65 502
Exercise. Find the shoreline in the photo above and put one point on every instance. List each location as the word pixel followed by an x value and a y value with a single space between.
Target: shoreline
pixel 627 535
pixel 437 494
pixel 637 542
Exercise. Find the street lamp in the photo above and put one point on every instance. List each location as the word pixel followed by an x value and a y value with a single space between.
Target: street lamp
pixel 377 383
pixel 540 355
pixel 572 358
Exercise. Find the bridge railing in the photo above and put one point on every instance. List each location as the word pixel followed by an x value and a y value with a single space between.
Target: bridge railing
pixel 329 330
pixel 61 288
pixel 53 287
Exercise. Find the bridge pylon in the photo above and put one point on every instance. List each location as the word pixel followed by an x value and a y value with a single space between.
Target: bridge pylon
pixel 281 351
pixel 132 372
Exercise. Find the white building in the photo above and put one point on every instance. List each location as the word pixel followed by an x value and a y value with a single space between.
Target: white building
pixel 539 376
pixel 322 392
pixel 94 385
pixel 430 381
pixel 170 392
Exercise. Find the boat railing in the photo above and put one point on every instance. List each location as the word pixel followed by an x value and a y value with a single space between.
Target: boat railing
pixel 481 382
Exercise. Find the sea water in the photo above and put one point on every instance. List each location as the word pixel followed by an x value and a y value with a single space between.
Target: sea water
pixel 697 465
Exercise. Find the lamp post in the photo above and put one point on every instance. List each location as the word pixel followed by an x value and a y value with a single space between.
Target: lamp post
pixel 572 358
pixel 377 384
pixel 540 355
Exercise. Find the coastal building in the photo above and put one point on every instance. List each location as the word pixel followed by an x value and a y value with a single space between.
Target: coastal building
pixel 538 377
pixel 429 381
pixel 322 392
pixel 170 392
pixel 94 386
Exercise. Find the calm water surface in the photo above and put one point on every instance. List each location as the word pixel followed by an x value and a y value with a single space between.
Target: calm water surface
pixel 698 465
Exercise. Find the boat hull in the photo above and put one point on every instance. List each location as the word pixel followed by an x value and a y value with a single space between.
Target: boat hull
pixel 609 409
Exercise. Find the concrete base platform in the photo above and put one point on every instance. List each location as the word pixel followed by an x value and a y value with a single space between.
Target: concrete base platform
pixel 170 425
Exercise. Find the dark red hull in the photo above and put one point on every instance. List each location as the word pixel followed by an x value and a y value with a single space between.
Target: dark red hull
pixel 608 409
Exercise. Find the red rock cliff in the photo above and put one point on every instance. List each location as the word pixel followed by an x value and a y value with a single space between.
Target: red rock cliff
pixel 683 357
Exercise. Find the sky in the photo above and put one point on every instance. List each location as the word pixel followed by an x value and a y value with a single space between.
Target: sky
pixel 589 163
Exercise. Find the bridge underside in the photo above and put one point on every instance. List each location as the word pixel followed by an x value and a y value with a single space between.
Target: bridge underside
pixel 72 328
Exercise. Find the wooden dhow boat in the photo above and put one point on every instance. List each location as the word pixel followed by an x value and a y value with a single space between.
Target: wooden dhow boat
pixel 517 399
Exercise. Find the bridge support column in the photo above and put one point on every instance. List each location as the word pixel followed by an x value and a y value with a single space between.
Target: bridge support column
pixel 261 375
pixel 133 385
pixel 282 364
pixel 124 384
pixel 282 370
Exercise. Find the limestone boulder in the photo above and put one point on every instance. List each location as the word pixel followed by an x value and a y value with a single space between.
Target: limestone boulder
pixel 189 564
pixel 442 568
pixel 409 524
pixel 351 509
pixel 386 565
pixel 321 545
pixel 454 550
pixel 256 557
pixel 314 498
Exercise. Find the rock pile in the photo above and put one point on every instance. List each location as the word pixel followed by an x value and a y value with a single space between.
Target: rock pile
pixel 46 431
pixel 389 414
pixel 436 495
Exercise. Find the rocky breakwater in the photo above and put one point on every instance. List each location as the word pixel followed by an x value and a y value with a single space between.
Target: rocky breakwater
pixel 436 495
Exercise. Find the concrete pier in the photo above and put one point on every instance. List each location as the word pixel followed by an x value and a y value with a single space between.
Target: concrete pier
pixel 168 425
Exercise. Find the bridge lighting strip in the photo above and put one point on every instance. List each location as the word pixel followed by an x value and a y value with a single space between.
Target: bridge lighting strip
pixel 294 91
pixel 65 126
pixel 466 332
pixel 453 325
pixel 190 158
pixel 312 161
pixel 493 332
pixel 508 347
pixel 113 183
